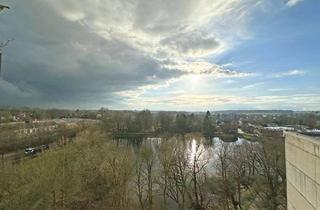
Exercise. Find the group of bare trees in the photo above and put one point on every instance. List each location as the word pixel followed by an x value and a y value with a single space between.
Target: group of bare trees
pixel 174 173
pixel 252 175
pixel 171 178
pixel 231 176
pixel 159 123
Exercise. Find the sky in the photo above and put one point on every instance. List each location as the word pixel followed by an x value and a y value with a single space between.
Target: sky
pixel 191 55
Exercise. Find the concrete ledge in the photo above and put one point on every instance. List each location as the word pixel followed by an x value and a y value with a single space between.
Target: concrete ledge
pixel 307 143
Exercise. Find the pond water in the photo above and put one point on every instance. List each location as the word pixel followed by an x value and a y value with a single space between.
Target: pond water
pixel 205 150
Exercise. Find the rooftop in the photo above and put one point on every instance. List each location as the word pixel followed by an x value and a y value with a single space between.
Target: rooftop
pixel 303 135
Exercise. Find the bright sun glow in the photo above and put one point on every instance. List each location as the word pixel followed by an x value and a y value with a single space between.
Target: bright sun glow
pixel 194 80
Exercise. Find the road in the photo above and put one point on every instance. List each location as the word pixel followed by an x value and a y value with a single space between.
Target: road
pixel 19 155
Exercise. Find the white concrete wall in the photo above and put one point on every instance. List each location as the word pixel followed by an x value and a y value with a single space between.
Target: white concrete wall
pixel 303 171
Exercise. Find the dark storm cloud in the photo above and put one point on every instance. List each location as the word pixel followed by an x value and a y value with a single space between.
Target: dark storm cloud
pixel 54 62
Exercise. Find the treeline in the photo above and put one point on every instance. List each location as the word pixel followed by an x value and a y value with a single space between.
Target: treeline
pixel 166 123
pixel 310 119
pixel 95 173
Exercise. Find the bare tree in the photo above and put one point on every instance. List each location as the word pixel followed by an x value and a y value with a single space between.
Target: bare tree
pixel 270 182
pixel 165 157
pixel 198 176
pixel 231 166
pixel 145 178
pixel 178 176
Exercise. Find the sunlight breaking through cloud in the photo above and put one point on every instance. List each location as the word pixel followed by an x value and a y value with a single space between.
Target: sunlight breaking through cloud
pixel 109 52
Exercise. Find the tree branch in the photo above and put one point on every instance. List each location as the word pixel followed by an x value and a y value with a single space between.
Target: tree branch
pixel 2 45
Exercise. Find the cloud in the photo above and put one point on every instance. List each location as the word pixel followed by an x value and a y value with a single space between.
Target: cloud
pixel 289 73
pixel 163 29
pixel 81 55
pixel 193 44
pixel 13 90
pixel 280 89
pixel 203 67
pixel 185 101
pixel 291 3
pixel 251 86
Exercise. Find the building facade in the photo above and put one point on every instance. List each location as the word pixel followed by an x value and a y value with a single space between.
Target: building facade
pixel 303 171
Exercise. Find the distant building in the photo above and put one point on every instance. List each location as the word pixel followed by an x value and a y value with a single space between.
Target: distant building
pixel 303 171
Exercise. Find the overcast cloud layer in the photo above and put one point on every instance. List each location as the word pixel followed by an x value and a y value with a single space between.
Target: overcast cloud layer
pixel 112 52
